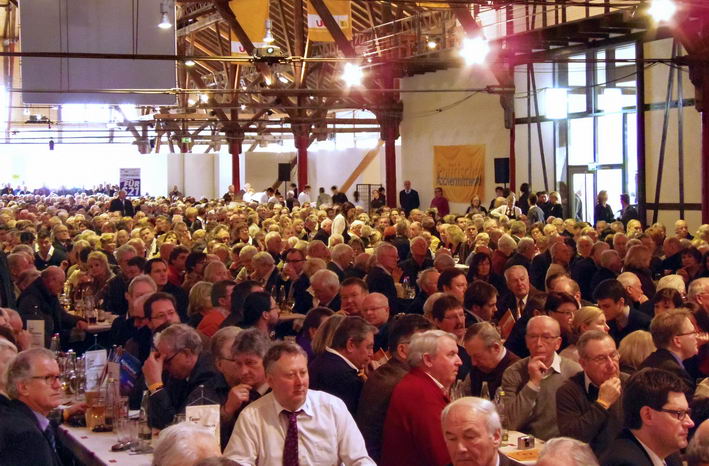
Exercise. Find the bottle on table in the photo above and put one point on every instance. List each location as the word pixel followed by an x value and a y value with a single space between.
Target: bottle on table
pixel 485 391
pixel 145 434
pixel 500 405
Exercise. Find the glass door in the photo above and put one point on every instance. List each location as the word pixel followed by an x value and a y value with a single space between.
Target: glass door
pixel 582 194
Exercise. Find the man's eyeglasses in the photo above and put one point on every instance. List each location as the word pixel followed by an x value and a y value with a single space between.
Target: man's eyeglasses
pixel 679 414
pixel 566 313
pixel 48 379
pixel 545 338
pixel 693 332
pixel 168 360
pixel 614 356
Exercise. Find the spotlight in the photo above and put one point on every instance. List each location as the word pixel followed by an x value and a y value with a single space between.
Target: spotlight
pixel 164 21
pixel 283 79
pixel 475 50
pixel 662 10
pixel 190 102
pixel 243 107
pixel 268 38
pixel 557 103
pixel 432 44
pixel 352 75
pixel 204 98
pixel 189 63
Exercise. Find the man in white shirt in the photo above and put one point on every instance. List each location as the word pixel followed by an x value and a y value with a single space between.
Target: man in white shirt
pixel 304 196
pixel 293 425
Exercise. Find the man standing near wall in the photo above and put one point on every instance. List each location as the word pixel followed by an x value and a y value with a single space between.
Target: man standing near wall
pixel 409 198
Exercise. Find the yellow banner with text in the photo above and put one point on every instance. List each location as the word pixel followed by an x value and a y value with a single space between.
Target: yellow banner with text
pixel 460 171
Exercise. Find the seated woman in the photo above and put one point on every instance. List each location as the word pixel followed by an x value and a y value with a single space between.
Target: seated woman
pixel 481 269
pixel 634 349
pixel 586 318
pixel 200 302
pixel 312 322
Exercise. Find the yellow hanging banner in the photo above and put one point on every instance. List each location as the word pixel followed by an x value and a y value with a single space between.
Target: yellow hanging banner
pixel 433 5
pixel 460 171
pixel 341 10
pixel 252 16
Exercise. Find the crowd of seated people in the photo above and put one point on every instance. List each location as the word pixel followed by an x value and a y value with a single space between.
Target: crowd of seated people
pixel 329 334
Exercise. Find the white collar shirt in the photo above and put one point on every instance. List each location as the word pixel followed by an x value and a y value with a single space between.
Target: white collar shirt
pixel 349 363
pixel 327 433
pixel 654 457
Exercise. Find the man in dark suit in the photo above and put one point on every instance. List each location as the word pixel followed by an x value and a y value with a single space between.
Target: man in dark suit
pixel 341 260
pixel 610 267
pixel 657 421
pixel 326 289
pixel 408 198
pixel 675 337
pixel 336 371
pixel 627 211
pixel 377 390
pixel 620 317
pixel 323 233
pixel 383 276
pixel 27 436
pixel 7 294
pixel 418 260
pixel 584 268
pixel 122 205
pixel 297 283
pixel 673 254
pixel 179 354
pixel 519 292
pixel 473 433
pixel 588 405
pixel 524 254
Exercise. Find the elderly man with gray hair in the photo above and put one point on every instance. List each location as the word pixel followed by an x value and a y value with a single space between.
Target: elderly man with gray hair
pixel 412 433
pixel 565 451
pixel 184 444
pixel 265 272
pixel 526 249
pixel 326 289
pixel 178 352
pixel 698 293
pixel 473 433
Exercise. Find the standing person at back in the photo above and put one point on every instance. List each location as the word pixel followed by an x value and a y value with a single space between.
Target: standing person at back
pixel 408 198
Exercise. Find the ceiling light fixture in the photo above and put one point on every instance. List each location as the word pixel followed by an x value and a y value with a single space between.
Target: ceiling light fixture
pixel 189 63
pixel 268 38
pixel 475 50
pixel 164 17
pixel 352 74
pixel 662 10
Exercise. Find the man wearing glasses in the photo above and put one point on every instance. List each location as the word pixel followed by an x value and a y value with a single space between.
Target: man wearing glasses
pixel 588 405
pixel 531 383
pixel 657 420
pixel 26 434
pixel 675 337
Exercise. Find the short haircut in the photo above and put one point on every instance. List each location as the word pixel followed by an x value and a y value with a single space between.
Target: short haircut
pixel 255 305
pixel 219 290
pixel 569 451
pixel 184 443
pixel 352 328
pixel 327 278
pixel 155 297
pixel 666 326
pixel 444 304
pixel 479 406
pixel 404 326
pixel 447 277
pixel 556 299
pixel 610 289
pixel 124 250
pixel 222 338
pixel 314 317
pixel 355 281
pixel 698 450
pixel 138 262
pixel 175 253
pixel 21 368
pixel 478 294
pixel 425 343
pixel 151 262
pixel 180 337
pixel 668 294
pixel 698 286
pixel 193 259
pixel 485 331
pixel 251 341
pixel 648 387
pixel 589 336
pixel 277 350
pixel 142 278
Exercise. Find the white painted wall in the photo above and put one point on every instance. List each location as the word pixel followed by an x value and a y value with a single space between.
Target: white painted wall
pixel 477 120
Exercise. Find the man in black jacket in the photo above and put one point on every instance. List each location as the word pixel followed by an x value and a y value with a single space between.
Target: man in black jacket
pixel 408 198
pixel 657 421
pixel 620 317
pixel 385 274
pixel 39 302
pixel 179 354
pixel 122 205
pixel 296 283
pixel 7 294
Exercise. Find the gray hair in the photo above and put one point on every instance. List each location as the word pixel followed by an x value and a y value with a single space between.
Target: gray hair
pixel 525 245
pixel 383 247
pixel 589 336
pixel 423 274
pixel 698 450
pixel 222 339
pixel 8 352
pixel 515 267
pixel 263 258
pixel 444 261
pixel 21 368
pixel 568 450
pixel 339 251
pixel 426 343
pixel 275 352
pixel 184 443
pixel 144 279
pixel 123 251
pixel 485 331
pixel 251 341
pixel 481 407
pixel 327 278
pixel 180 337
pixel 674 281
pixel 506 242
pixel 698 286
pixel 628 279
pixel 247 252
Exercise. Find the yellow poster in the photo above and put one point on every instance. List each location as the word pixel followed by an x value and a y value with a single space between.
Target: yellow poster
pixel 341 11
pixel 460 171
pixel 252 16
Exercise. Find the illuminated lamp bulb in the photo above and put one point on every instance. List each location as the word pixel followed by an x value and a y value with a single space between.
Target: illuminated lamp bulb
pixel 475 50
pixel 352 74
pixel 557 103
pixel 662 10
pixel 164 22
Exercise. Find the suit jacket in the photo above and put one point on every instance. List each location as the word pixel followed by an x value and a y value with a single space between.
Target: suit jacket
pixel 538 270
pixel 409 201
pixel 412 428
pixel 411 269
pixel 381 282
pixel 509 301
pixel 476 377
pixel 338 271
pixel 57 257
pixel 402 246
pixel 21 440
pixel 636 321
pixel 517 259
pixel 627 451
pixel 663 359
pixel 374 402
pixel 180 298
pixel 7 294
pixel 582 271
pixel 330 373
pixel 322 235
pixel 36 302
pixel 124 207
pixel 303 301
pixel 172 399
pixel 115 295
pixel 601 274
pixel 580 417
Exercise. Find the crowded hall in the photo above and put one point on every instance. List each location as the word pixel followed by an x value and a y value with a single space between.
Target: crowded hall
pixel 371 232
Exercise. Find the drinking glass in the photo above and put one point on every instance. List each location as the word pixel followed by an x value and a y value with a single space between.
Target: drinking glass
pixel 96 410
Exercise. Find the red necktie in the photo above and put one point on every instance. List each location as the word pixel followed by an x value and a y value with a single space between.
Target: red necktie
pixel 290 449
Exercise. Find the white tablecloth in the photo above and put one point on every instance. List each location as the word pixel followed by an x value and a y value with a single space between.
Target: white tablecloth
pixel 511 445
pixel 94 449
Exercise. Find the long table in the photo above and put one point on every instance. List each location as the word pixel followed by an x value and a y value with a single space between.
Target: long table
pixel 509 448
pixel 94 448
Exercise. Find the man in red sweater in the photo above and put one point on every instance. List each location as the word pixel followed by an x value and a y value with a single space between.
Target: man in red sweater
pixel 412 429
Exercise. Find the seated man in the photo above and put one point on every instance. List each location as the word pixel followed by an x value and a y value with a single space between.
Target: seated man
pixel 27 437
pixel 427 284
pixel 353 290
pixel 179 354
pixel 480 302
pixel 383 276
pixel 412 430
pixel 157 312
pixel 292 424
pixel 588 405
pixel 675 337
pixel 566 451
pixel 336 371
pixel 326 288
pixel 473 433
pixel 531 383
pixel 375 310
pixel 657 421
pixel 183 442
pixel 448 315
pixel 296 282
pixel 377 390
pixel 126 326
pixel 488 356
pixel 620 317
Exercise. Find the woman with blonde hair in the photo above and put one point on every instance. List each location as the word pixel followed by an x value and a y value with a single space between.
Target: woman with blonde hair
pixel 637 260
pixel 586 318
pixel 634 349
pixel 323 336
pixel 555 208
pixel 602 211
pixel 200 302
pixel 454 239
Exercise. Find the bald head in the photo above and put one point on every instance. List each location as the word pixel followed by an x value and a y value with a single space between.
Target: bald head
pixel 53 278
pixel 375 309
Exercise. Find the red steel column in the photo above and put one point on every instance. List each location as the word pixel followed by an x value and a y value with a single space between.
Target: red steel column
pixel 390 132
pixel 302 141
pixel 705 145
pixel 235 141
